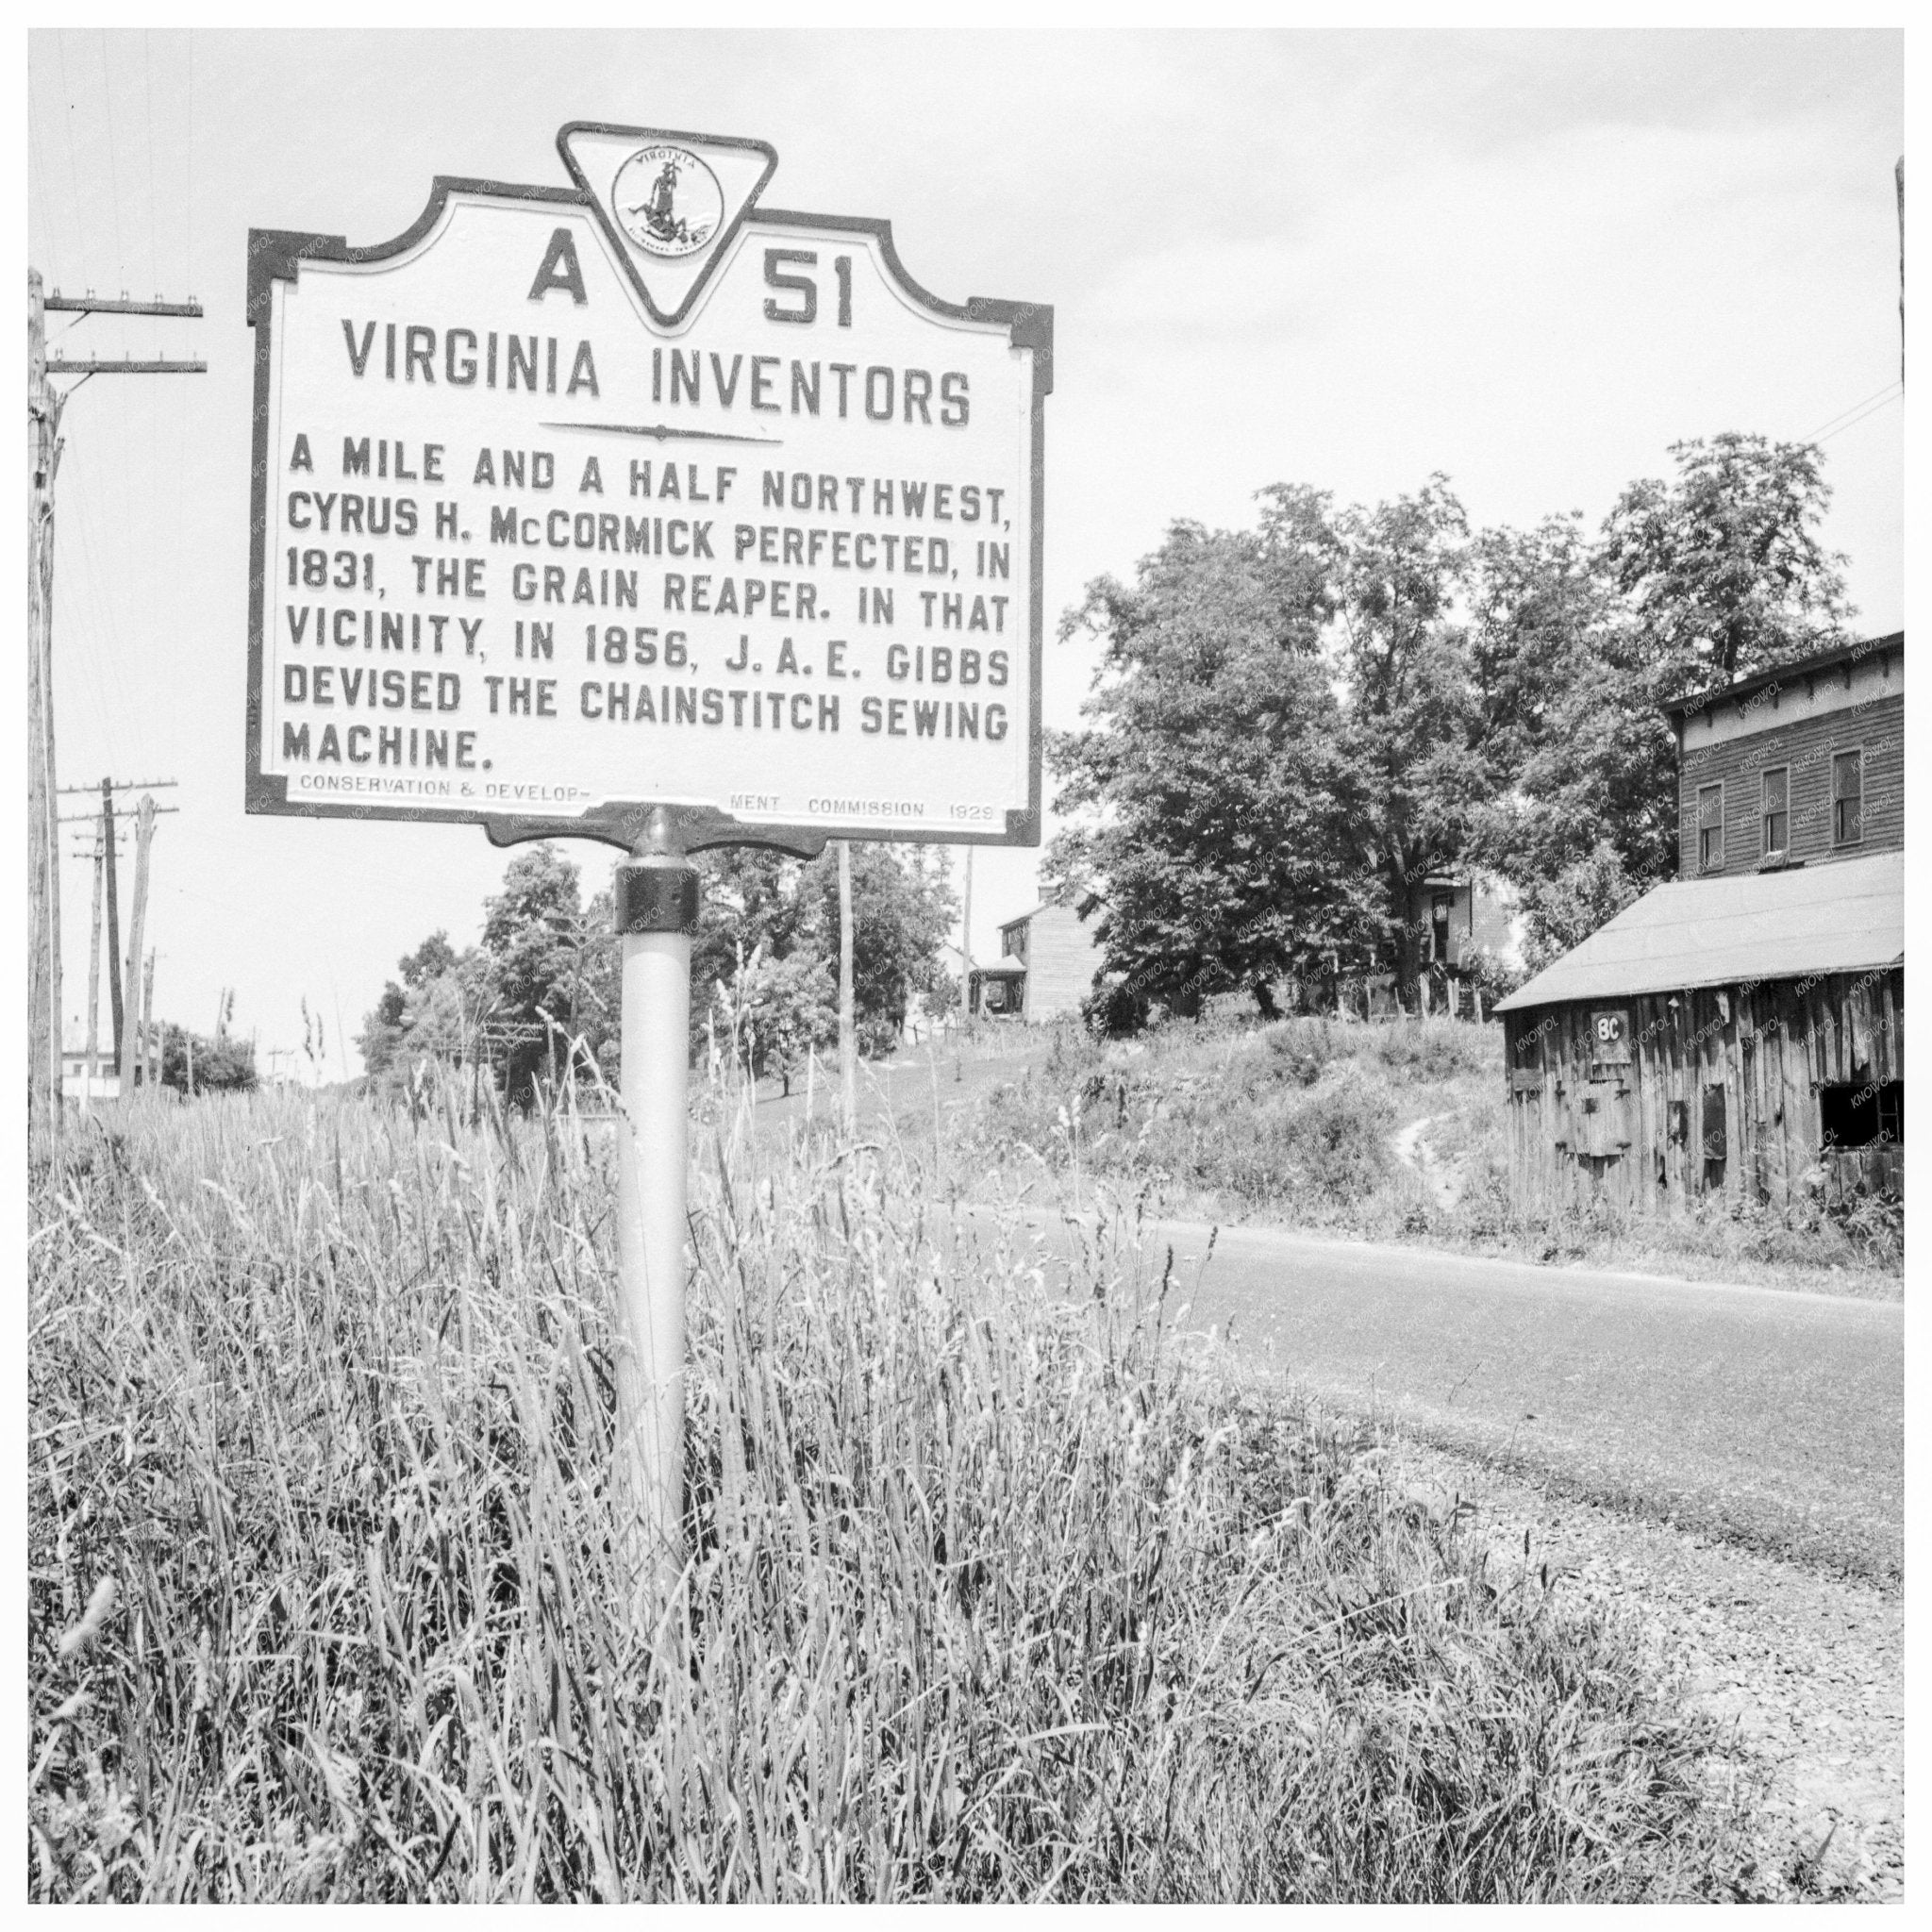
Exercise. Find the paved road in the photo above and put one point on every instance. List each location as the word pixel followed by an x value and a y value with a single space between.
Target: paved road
pixel 1775 1417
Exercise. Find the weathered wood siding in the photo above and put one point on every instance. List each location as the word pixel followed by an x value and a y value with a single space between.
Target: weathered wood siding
pixel 1058 948
pixel 1582 1131
pixel 1805 748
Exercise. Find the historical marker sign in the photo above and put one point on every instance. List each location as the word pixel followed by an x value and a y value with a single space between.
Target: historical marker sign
pixel 572 502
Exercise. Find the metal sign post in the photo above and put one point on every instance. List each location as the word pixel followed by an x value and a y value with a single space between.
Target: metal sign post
pixel 657 915
pixel 636 510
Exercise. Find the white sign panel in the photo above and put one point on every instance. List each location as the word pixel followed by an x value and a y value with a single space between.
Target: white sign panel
pixel 571 503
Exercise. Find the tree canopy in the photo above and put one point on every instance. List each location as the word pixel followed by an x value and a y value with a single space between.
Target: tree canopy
pixel 540 995
pixel 1292 725
pixel 1220 793
pixel 219 1063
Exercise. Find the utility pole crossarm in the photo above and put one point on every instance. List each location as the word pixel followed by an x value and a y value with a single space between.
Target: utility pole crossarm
pixel 103 365
pixel 93 818
pixel 124 785
pixel 102 305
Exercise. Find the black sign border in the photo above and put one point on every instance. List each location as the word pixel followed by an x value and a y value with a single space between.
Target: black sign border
pixel 277 255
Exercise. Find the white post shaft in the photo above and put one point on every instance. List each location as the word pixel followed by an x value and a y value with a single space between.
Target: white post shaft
pixel 652 1167
pixel 848 1030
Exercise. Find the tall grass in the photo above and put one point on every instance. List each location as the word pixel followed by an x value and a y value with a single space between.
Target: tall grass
pixel 988 1595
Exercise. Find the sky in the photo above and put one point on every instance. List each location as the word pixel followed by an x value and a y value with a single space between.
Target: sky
pixel 1529 261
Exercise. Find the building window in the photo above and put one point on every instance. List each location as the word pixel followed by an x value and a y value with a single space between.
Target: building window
pixel 1711 828
pixel 1871 1115
pixel 1777 812
pixel 1848 798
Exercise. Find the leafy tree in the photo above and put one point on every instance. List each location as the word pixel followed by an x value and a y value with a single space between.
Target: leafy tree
pixel 1692 584
pixel 1722 569
pixel 750 902
pixel 384 1027
pixel 1222 808
pixel 449 1016
pixel 554 969
pixel 778 1010
pixel 220 1065
pixel 1570 751
pixel 1538 614
pixel 1413 724
pixel 541 955
pixel 901 910
pixel 1563 911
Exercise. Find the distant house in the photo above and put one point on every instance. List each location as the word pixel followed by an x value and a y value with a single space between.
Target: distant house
pixel 1741 1029
pixel 1047 961
pixel 1468 925
pixel 81 1079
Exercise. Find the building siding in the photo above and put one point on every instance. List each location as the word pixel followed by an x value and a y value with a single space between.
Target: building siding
pixel 1485 923
pixel 1058 950
pixel 1582 1134
pixel 1805 747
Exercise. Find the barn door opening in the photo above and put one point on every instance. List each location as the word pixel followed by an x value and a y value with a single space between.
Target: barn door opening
pixel 1715 1140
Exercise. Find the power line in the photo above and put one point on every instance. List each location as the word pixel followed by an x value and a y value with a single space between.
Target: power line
pixel 1833 424
pixel 67 128
pixel 1861 416
pixel 113 168
pixel 154 244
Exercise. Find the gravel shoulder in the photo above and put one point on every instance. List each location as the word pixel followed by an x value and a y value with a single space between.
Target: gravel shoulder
pixel 1805 1669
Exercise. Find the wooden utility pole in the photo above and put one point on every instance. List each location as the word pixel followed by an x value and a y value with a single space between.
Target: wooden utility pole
pixel 848 1030
pixel 130 1038
pixel 966 946
pixel 93 972
pixel 150 1055
pixel 44 406
pixel 114 982
pixel 110 835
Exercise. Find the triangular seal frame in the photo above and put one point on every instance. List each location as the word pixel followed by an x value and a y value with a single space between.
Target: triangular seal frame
pixel 594 151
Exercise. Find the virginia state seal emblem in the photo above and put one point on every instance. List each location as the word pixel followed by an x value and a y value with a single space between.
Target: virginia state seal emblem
pixel 667 200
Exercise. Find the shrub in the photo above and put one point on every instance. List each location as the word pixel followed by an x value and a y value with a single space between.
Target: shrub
pixel 1337 1140
pixel 1437 1049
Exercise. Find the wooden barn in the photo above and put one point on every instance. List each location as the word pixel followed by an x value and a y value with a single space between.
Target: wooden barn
pixel 1733 1037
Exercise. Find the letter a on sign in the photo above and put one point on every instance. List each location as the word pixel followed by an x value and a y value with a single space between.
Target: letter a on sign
pixel 669 202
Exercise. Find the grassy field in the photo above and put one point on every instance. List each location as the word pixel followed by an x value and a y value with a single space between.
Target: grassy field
pixel 986 1595
pixel 1386 1132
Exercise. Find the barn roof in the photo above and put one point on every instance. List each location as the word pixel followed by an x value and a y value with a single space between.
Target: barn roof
pixel 1788 924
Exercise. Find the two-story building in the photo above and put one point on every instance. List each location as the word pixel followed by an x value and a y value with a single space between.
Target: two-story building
pixel 1738 1034
pixel 1047 964
pixel 1796 766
